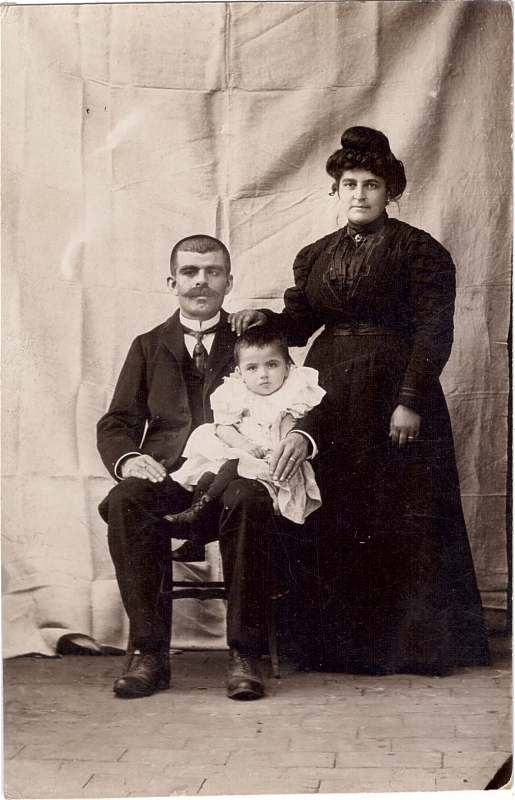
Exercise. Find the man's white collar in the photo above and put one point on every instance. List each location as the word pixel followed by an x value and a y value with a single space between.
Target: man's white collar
pixel 198 325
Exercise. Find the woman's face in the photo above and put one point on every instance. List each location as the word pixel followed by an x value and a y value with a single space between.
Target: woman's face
pixel 363 195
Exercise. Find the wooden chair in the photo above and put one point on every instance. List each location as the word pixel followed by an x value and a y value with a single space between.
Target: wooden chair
pixel 209 590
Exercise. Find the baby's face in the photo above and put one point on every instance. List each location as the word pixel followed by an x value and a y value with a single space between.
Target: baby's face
pixel 263 369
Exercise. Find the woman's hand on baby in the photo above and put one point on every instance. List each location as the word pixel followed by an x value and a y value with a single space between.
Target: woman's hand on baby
pixel 254 449
pixel 404 426
pixel 248 318
pixel 288 456
pixel 144 467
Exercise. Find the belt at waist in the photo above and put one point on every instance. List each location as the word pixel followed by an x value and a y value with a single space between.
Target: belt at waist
pixel 359 329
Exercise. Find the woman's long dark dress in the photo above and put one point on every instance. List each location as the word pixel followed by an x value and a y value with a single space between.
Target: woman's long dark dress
pixel 396 589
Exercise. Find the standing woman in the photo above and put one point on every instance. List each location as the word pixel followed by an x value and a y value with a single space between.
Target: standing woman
pixel 397 590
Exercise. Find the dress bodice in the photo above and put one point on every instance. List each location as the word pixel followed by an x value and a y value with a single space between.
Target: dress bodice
pixel 233 403
pixel 403 282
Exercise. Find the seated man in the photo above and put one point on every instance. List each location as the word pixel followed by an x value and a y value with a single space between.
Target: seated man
pixel 162 394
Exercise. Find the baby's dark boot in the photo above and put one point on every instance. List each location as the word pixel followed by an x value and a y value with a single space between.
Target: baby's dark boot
pixel 193 513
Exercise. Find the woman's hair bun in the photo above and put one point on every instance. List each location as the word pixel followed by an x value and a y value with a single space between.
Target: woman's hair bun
pixel 365 140
pixel 367 149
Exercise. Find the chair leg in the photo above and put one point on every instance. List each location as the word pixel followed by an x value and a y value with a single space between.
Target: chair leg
pixel 272 638
pixel 129 653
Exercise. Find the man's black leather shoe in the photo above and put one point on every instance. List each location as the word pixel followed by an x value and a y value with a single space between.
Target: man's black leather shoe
pixel 148 673
pixel 189 552
pixel 245 681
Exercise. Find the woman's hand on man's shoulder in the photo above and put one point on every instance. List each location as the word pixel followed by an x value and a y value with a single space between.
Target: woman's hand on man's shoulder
pixel 247 318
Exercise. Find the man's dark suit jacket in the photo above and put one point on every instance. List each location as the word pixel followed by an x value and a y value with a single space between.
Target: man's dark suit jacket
pixel 150 411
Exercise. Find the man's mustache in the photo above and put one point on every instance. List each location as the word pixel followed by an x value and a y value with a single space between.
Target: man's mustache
pixel 201 292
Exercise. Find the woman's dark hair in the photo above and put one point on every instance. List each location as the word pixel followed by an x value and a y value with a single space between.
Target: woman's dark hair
pixel 368 149
pixel 261 337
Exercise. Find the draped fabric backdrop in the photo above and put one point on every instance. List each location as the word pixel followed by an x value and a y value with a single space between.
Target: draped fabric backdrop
pixel 128 126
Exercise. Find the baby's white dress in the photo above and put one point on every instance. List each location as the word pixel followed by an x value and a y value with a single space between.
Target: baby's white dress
pixel 258 418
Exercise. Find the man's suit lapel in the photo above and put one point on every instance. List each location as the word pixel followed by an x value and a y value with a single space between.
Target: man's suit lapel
pixel 173 337
pixel 221 352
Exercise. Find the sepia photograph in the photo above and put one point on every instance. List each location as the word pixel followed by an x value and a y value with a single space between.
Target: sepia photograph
pixel 257 401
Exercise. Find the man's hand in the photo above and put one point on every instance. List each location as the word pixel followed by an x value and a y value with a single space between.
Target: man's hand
pixel 288 456
pixel 404 426
pixel 247 318
pixel 144 467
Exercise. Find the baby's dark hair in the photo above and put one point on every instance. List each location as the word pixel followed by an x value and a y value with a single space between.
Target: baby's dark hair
pixel 368 149
pixel 260 337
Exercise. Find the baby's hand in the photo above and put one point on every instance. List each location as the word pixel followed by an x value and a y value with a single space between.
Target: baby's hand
pixel 254 449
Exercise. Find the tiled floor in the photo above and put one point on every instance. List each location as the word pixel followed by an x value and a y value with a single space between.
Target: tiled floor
pixel 67 736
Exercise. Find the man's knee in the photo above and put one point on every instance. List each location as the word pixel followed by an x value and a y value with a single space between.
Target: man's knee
pixel 127 491
pixel 245 493
pixel 144 496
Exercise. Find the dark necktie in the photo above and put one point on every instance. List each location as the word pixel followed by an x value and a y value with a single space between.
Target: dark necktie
pixel 199 351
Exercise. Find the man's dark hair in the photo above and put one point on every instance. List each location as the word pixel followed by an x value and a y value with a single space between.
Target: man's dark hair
pixel 260 337
pixel 200 243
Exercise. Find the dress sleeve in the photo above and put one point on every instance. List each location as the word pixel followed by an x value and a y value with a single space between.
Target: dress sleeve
pixel 432 291
pixel 298 321
pixel 303 391
pixel 228 402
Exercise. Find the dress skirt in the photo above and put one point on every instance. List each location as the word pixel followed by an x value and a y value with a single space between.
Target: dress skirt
pixel 395 588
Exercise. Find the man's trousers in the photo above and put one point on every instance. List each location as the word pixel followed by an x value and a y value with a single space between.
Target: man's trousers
pixel 252 546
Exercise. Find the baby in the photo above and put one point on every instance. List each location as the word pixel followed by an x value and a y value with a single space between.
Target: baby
pixel 257 405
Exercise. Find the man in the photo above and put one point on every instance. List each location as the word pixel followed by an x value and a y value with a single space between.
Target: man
pixel 162 394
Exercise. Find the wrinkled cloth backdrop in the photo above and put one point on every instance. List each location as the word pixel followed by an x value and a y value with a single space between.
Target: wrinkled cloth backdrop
pixel 127 127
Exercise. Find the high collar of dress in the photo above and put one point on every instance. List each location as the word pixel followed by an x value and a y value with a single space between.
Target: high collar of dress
pixel 365 230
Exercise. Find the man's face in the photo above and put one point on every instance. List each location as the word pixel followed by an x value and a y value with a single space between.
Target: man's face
pixel 201 283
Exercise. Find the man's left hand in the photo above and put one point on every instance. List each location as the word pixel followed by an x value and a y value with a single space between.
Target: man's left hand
pixel 288 456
